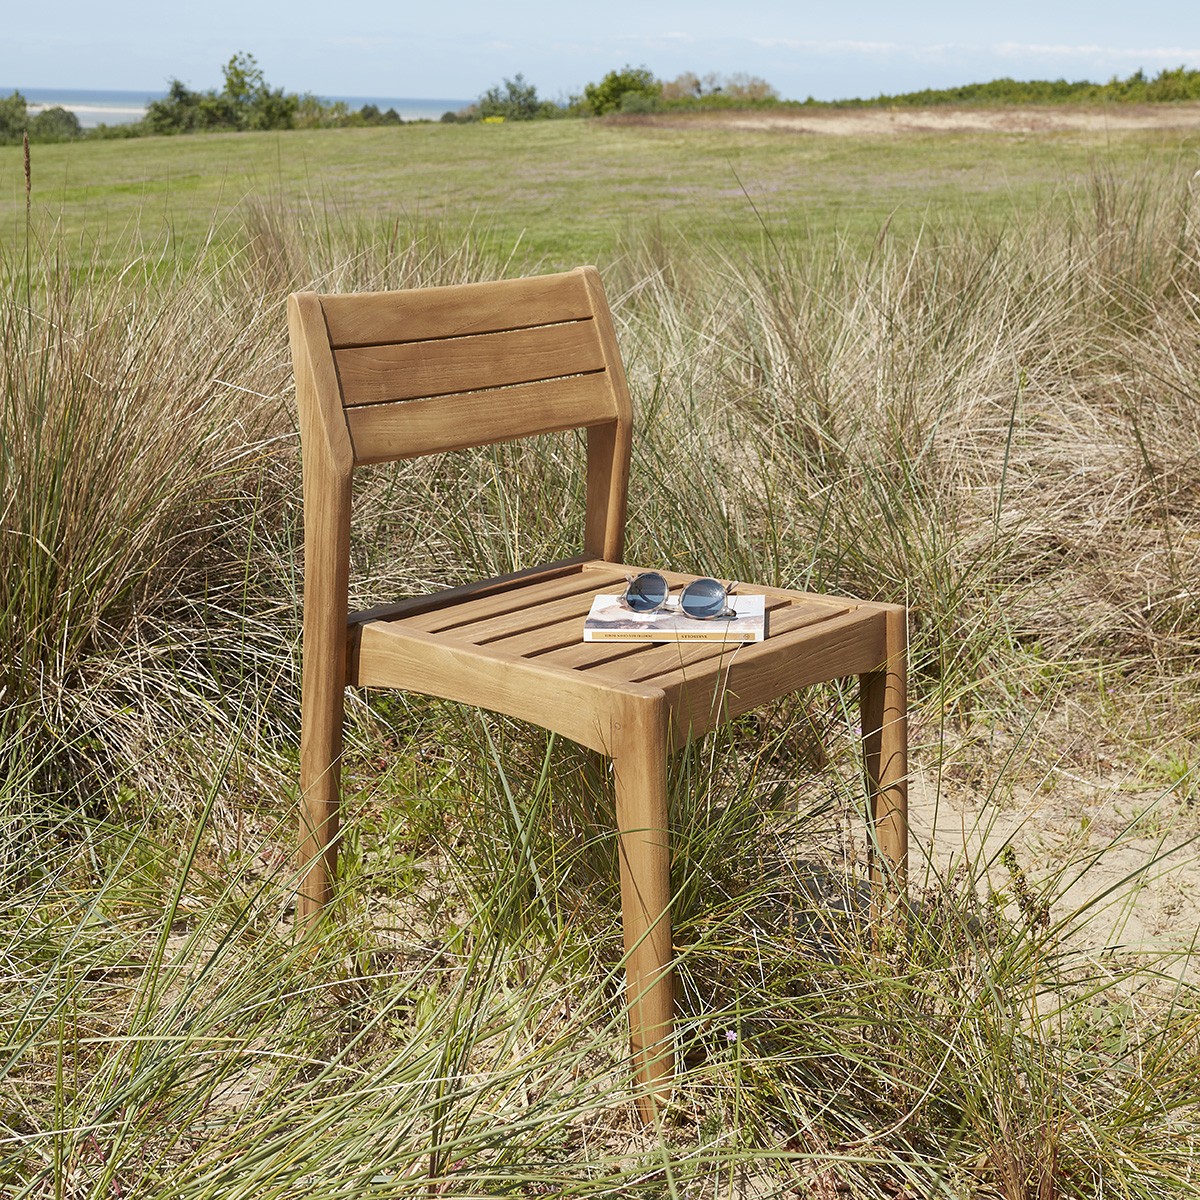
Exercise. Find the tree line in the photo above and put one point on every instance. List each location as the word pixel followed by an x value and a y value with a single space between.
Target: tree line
pixel 628 90
pixel 247 102
pixel 636 90
pixel 1166 87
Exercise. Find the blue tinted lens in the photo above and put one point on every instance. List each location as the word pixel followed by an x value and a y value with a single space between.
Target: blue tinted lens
pixel 704 599
pixel 647 592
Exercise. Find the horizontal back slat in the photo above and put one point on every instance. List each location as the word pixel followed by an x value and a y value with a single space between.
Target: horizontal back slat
pixel 408 370
pixel 380 432
pixel 378 318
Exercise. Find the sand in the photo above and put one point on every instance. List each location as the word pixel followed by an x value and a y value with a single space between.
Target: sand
pixel 884 122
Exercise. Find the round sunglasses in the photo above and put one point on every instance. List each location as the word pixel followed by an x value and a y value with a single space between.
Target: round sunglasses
pixel 702 599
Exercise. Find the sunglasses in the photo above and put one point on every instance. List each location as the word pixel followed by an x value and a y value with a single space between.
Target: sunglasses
pixel 702 599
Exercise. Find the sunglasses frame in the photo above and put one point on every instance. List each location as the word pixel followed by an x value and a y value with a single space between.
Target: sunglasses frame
pixel 647 604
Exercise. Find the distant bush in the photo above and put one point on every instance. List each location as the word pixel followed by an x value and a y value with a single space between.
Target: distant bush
pixel 609 95
pixel 50 125
pixel 55 124
pixel 718 91
pixel 629 90
pixel 108 133
pixel 245 102
pixel 516 100
pixel 248 102
pixel 513 100
pixel 314 113
pixel 13 117
pixel 640 102
pixel 370 114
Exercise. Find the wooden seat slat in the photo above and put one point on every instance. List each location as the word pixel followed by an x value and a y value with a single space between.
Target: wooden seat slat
pixel 581 654
pixel 793 629
pixel 540 639
pixel 569 609
pixel 514 600
pixel 567 568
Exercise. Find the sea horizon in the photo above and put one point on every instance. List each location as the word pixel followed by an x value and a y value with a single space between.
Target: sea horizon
pixel 123 106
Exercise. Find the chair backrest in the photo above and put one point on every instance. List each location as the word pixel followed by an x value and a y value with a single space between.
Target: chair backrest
pixel 394 375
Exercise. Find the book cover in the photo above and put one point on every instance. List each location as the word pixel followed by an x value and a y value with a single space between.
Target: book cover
pixel 610 621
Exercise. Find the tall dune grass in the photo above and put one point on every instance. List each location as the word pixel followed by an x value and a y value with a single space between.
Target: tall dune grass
pixel 139 421
pixel 1002 430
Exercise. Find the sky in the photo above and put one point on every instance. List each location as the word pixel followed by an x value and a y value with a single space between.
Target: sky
pixel 457 50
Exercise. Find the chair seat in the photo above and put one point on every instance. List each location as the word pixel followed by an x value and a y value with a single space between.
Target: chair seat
pixel 518 639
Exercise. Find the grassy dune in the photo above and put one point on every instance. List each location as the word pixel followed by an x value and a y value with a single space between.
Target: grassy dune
pixel 963 374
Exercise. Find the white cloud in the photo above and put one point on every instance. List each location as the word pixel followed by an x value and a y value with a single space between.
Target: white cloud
pixel 1171 54
pixel 1175 54
pixel 671 38
pixel 834 47
pixel 357 42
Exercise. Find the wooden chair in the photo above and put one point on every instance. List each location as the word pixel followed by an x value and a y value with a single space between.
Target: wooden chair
pixel 395 375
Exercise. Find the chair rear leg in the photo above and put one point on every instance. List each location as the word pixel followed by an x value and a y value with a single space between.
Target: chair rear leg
pixel 885 753
pixel 320 794
pixel 640 768
pixel 323 675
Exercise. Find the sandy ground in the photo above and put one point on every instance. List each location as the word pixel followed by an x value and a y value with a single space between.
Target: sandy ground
pixel 882 122
pixel 1123 863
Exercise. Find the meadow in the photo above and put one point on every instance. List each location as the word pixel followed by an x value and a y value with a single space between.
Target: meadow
pixel 555 193
pixel 957 371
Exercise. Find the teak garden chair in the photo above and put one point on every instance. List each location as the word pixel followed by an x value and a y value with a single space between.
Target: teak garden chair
pixel 396 375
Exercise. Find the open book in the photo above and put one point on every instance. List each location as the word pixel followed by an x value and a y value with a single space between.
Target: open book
pixel 610 621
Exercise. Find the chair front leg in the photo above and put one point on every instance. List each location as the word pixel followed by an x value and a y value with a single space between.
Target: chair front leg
pixel 640 768
pixel 884 707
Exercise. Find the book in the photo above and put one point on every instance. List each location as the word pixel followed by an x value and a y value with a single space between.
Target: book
pixel 610 621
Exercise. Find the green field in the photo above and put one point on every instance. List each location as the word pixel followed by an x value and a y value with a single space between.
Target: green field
pixel 568 191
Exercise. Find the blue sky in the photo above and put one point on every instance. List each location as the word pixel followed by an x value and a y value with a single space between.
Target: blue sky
pixel 458 49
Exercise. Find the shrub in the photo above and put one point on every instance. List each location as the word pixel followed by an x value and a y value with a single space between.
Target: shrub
pixel 13 117
pixel 55 124
pixel 609 94
pixel 515 100
pixel 737 88
pixel 50 125
pixel 640 102
pixel 246 102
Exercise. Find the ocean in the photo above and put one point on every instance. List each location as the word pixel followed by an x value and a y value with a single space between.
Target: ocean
pixel 121 107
